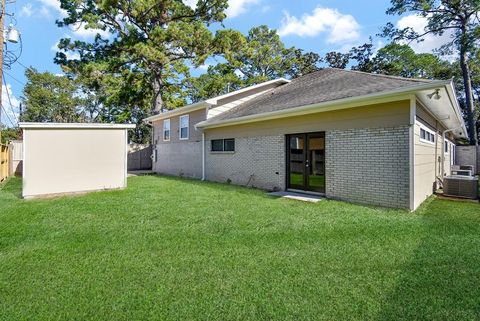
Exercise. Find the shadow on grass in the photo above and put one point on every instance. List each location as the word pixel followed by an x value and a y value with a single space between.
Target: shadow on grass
pixel 12 188
pixel 441 281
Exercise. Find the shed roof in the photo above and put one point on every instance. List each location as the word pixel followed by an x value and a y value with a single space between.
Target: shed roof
pixel 75 125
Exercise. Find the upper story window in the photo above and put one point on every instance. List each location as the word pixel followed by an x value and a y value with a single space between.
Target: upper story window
pixel 184 124
pixel 446 147
pixel 166 129
pixel 427 136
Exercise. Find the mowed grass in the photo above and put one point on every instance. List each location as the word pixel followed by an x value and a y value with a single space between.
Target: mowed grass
pixel 177 249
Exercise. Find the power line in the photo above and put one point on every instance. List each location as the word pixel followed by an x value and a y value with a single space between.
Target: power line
pixel 8 116
pixel 20 63
pixel 16 79
pixel 9 100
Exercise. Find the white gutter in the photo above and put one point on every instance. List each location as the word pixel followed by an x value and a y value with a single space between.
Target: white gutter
pixel 324 106
pixel 454 101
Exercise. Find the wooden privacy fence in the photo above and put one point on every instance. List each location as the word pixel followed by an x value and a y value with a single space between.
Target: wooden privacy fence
pixel 139 157
pixel 4 162
pixel 468 155
pixel 16 157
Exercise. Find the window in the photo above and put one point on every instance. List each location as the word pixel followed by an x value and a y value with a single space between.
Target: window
pixel 427 136
pixel 446 147
pixel 223 145
pixel 166 129
pixel 184 120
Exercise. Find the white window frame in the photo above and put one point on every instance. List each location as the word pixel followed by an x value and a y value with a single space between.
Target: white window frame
pixel 167 121
pixel 423 140
pixel 180 127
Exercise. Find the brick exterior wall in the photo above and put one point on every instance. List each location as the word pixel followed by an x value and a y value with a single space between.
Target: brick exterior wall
pixel 179 158
pixel 369 166
pixel 257 161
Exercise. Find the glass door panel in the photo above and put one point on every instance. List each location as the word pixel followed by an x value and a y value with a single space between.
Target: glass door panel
pixel 296 161
pixel 316 162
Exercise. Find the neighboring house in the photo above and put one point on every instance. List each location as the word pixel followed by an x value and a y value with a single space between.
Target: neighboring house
pixel 349 135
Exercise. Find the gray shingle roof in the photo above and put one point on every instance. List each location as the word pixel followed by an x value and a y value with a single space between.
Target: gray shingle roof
pixel 320 86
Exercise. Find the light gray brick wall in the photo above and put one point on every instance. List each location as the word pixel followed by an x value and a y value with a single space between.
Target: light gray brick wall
pixel 257 161
pixel 369 166
pixel 179 158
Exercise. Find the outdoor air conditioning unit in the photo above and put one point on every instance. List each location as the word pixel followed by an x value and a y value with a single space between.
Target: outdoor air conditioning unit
pixel 462 167
pixel 461 186
pixel 461 172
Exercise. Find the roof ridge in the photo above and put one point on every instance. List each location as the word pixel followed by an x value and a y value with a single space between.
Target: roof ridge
pixel 383 75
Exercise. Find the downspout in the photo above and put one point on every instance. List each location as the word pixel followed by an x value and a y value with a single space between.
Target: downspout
pixel 443 149
pixel 203 155
pixel 152 140
pixel 436 151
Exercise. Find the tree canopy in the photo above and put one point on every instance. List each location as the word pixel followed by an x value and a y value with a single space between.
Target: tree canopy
pixel 461 20
pixel 146 43
pixel 51 98
pixel 261 57
pixel 142 58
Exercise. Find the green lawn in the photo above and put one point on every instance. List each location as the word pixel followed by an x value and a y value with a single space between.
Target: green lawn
pixel 177 249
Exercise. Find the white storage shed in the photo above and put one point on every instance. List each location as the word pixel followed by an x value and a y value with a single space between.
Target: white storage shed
pixel 73 158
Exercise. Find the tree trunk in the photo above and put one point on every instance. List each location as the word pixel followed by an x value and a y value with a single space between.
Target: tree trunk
pixel 157 101
pixel 467 83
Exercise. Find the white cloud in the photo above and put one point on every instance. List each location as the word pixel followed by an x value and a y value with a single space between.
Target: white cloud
pixel 26 11
pixel 238 7
pixel 70 55
pixel 11 110
pixel 44 12
pixel 191 3
pixel 79 30
pixel 340 28
pixel 53 5
pixel 235 7
pixel 203 67
pixel 418 24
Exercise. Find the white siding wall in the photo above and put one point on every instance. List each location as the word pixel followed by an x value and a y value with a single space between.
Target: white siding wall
pixel 58 161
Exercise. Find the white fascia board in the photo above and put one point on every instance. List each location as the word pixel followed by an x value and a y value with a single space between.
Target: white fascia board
pixel 214 100
pixel 177 111
pixel 452 93
pixel 27 125
pixel 397 94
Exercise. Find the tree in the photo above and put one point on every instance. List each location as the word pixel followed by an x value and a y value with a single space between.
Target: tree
pixel 219 79
pixel 148 45
pixel 363 56
pixel 461 19
pixel 9 134
pixel 51 98
pixel 337 59
pixel 261 56
pixel 264 56
pixel 400 60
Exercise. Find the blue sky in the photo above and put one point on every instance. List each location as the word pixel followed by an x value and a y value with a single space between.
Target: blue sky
pixel 313 25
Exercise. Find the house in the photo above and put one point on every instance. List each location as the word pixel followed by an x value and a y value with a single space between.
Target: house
pixel 348 135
